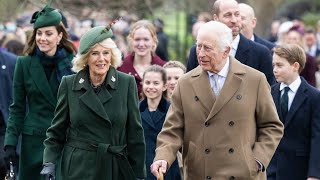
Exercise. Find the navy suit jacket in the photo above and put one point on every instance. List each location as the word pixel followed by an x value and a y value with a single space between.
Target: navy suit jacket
pixel 297 156
pixel 264 42
pixel 249 53
pixel 7 65
pixel 152 125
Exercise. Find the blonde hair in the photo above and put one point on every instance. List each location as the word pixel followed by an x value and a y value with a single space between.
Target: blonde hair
pixel 175 64
pixel 81 61
pixel 143 24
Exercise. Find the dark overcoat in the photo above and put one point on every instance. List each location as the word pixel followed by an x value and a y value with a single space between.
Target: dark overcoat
pixel 34 101
pixel 152 125
pixel 98 136
pixel 297 156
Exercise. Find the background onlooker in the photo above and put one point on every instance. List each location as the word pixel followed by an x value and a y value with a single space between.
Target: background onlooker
pixel 163 40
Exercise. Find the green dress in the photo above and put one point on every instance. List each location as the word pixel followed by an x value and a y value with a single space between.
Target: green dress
pixel 98 136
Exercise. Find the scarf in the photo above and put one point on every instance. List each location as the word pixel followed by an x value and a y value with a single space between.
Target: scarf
pixel 61 60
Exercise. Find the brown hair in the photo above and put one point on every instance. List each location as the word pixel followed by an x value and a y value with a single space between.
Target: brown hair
pixel 30 47
pixel 158 69
pixel 143 24
pixel 292 53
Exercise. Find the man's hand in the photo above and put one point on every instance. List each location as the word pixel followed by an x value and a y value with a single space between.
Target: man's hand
pixel 158 165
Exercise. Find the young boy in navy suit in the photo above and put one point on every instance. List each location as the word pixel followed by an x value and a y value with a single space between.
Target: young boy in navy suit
pixel 298 104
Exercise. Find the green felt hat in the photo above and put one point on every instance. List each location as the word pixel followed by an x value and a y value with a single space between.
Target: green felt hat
pixel 93 36
pixel 48 16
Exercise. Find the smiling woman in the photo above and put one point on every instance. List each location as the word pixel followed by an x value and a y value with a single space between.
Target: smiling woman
pixel 36 80
pixel 96 132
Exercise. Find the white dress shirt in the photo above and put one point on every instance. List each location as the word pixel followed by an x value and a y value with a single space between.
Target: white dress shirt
pixel 234 46
pixel 293 90
pixel 222 75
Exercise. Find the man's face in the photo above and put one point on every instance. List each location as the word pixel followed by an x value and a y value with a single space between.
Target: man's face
pixel 210 56
pixel 230 16
pixel 248 22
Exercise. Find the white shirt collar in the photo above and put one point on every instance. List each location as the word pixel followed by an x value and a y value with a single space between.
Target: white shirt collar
pixel 293 86
pixel 224 71
pixel 235 42
pixel 252 38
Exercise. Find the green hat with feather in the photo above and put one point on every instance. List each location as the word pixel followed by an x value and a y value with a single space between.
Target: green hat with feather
pixel 48 16
pixel 95 35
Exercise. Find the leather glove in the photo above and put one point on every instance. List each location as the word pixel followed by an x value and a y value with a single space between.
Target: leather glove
pixel 49 171
pixel 10 155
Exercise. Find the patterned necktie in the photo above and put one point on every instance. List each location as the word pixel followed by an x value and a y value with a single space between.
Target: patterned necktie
pixel 215 87
pixel 284 102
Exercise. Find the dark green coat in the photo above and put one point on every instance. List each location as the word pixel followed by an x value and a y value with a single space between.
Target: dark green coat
pixel 98 137
pixel 34 101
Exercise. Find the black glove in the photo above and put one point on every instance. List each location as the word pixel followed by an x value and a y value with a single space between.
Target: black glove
pixel 49 171
pixel 10 155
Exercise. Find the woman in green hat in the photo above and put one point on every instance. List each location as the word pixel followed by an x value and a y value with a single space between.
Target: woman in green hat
pixel 37 76
pixel 96 131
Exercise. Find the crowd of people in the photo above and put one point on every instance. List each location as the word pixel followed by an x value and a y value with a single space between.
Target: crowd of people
pixel 110 105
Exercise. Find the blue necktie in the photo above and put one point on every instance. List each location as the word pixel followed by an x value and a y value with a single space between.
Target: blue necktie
pixel 284 102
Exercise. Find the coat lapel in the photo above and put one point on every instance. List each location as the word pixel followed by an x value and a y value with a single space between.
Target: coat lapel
pixel 37 73
pixel 89 98
pixel 201 86
pixel 299 98
pixel 243 50
pixel 275 91
pixel 231 85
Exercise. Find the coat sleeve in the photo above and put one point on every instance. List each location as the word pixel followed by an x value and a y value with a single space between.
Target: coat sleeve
pixel 56 134
pixel 314 159
pixel 170 139
pixel 269 126
pixel 135 138
pixel 18 107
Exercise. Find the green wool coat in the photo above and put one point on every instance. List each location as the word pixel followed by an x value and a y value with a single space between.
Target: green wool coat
pixel 97 137
pixel 34 101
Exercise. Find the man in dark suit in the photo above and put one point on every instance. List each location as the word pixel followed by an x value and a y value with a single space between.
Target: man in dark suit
pixel 247 52
pixel 298 105
pixel 249 22
pixel 7 64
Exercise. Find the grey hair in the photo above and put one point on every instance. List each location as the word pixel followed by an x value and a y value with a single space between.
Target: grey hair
pixel 222 31
pixel 81 60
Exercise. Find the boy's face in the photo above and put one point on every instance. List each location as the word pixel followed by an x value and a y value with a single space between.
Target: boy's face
pixel 284 71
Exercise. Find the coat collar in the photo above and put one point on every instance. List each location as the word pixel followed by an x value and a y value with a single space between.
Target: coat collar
pixel 37 73
pixel 201 86
pixel 299 98
pixel 89 98
pixel 81 80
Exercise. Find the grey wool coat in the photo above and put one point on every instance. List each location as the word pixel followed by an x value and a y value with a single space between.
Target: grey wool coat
pixel 97 136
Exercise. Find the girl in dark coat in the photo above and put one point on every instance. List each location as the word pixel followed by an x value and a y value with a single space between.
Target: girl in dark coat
pixel 153 112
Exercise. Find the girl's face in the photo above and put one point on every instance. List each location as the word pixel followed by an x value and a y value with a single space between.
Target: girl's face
pixel 173 74
pixel 153 85
pixel 99 60
pixel 142 42
pixel 47 39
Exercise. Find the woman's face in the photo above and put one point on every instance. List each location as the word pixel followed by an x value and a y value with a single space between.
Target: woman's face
pixel 173 74
pixel 99 60
pixel 47 39
pixel 142 42
pixel 153 85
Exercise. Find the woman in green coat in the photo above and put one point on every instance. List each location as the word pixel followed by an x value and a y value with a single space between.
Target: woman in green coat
pixel 36 80
pixel 97 129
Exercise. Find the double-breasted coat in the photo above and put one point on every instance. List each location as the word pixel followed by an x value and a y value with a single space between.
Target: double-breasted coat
pixel 222 137
pixel 98 136
pixel 297 156
pixel 152 125
pixel 34 101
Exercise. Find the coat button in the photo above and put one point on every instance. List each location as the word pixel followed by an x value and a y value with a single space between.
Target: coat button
pixel 208 177
pixel 207 151
pixel 206 124
pixel 231 123
pixel 232 178
pixel 239 96
pixel 231 150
